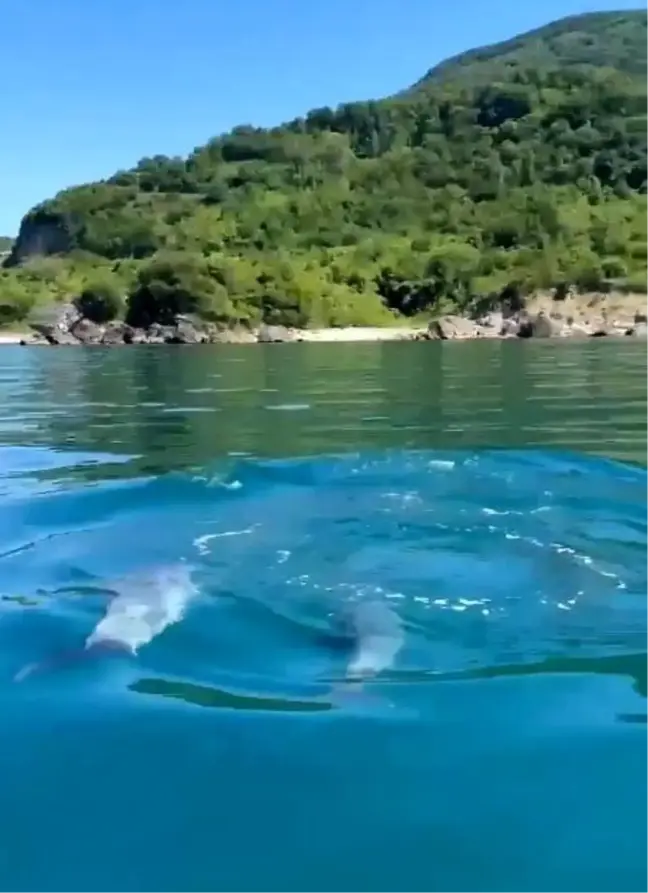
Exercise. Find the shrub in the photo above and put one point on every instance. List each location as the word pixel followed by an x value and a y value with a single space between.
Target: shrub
pixel 100 302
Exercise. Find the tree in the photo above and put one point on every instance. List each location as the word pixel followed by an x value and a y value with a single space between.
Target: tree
pixel 169 285
pixel 101 301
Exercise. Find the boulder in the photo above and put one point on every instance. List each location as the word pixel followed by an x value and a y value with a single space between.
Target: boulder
pixel 185 332
pixel 87 332
pixel 509 328
pixel 230 336
pixel 639 330
pixel 158 334
pixel 33 339
pixel 61 338
pixel 545 327
pixel 579 330
pixel 55 323
pixel 274 334
pixel 117 333
pixel 640 317
pixel 491 321
pixel 539 326
pixel 449 328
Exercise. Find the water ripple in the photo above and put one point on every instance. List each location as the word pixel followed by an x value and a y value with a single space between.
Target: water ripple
pixel 500 743
pixel 489 559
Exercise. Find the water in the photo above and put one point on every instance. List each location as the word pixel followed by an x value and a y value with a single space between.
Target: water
pixel 493 496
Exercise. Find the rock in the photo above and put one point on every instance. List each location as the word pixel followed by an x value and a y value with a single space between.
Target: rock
pixel 61 338
pixel 274 334
pixel 599 333
pixel 157 334
pixel 509 328
pixel 640 317
pixel 230 336
pixel 185 332
pixel 545 327
pixel 42 233
pixel 639 330
pixel 450 328
pixel 578 330
pixel 55 323
pixel 491 321
pixel 539 326
pixel 117 333
pixel 87 332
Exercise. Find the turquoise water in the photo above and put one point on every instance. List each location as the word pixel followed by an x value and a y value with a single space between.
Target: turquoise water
pixel 492 497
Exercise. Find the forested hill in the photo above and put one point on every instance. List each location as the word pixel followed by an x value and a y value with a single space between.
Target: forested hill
pixel 612 39
pixel 518 164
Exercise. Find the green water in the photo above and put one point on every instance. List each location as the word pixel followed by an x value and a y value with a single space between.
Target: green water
pixel 188 406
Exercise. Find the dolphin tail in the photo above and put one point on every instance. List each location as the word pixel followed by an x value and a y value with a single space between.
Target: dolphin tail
pixel 352 694
pixel 70 657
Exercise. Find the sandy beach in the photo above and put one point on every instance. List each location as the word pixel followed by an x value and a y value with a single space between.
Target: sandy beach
pixel 361 333
pixel 14 337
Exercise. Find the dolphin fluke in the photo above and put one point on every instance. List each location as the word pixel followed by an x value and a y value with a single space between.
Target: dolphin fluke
pixel 72 656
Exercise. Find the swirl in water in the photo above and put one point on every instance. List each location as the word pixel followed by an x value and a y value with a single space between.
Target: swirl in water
pixel 487 558
pixel 402 564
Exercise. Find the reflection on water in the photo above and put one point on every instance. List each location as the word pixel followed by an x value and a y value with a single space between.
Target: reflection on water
pixel 584 396
pixel 491 495
pixel 208 696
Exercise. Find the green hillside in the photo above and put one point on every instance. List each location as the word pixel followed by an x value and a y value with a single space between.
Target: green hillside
pixel 611 39
pixel 521 164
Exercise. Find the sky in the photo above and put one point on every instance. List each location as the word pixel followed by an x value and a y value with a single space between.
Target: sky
pixel 91 86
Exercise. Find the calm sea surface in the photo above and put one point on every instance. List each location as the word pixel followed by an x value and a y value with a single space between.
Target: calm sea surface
pixel 230 513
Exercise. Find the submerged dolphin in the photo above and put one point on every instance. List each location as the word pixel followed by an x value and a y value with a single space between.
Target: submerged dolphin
pixel 378 634
pixel 142 607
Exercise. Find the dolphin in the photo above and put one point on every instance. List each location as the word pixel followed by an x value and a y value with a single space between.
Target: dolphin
pixel 378 634
pixel 142 607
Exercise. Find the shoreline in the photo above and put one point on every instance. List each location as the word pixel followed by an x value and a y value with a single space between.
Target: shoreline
pixel 446 329
pixel 323 336
pixel 577 316
pixel 9 338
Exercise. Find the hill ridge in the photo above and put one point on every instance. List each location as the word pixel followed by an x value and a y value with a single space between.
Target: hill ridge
pixel 557 26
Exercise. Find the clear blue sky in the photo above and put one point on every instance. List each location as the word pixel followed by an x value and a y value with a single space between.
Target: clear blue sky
pixel 91 86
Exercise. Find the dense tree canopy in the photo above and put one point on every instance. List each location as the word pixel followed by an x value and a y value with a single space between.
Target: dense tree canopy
pixel 522 164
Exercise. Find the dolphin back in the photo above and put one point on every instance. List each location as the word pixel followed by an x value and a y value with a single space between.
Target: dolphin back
pixel 143 605
pixel 379 636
